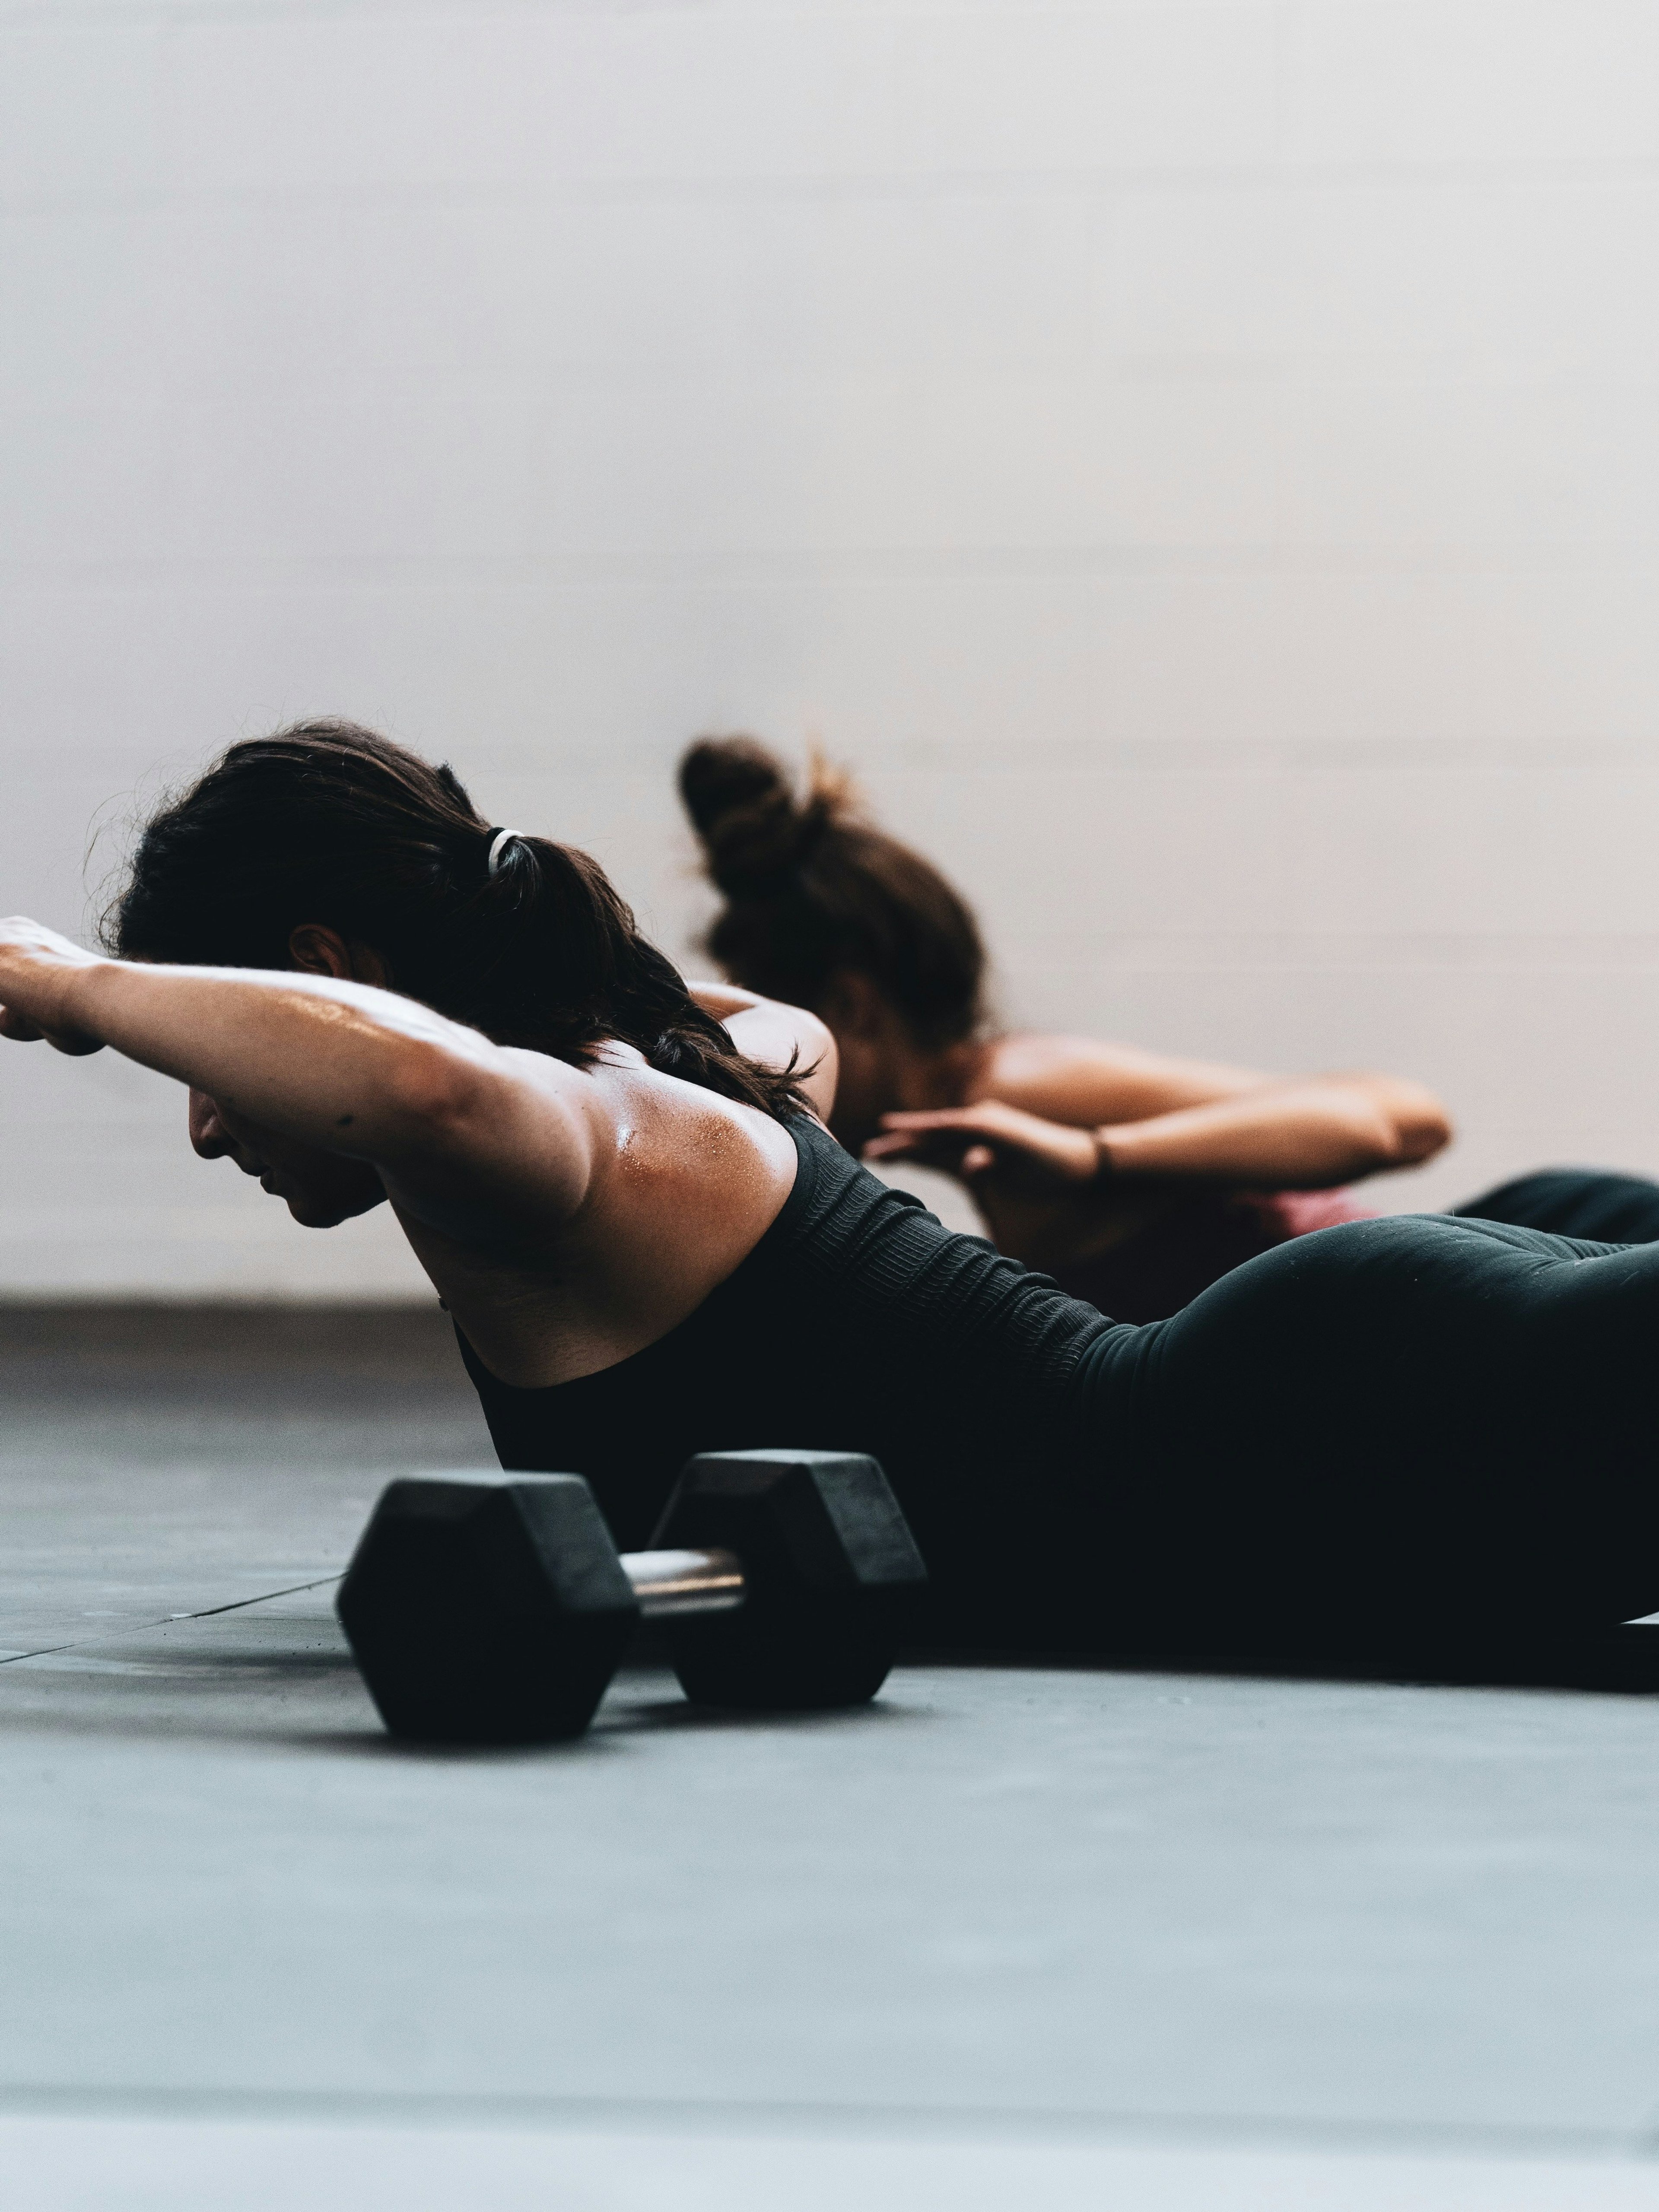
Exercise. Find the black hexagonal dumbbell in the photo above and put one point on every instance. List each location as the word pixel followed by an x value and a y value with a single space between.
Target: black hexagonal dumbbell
pixel 495 1608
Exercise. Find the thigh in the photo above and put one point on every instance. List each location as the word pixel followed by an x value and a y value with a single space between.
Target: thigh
pixel 1399 1426
pixel 1616 1209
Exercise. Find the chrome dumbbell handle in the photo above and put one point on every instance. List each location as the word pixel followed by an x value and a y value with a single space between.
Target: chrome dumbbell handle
pixel 667 1583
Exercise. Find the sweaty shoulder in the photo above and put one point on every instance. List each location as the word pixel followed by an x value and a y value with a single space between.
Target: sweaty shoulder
pixel 684 1156
pixel 681 1185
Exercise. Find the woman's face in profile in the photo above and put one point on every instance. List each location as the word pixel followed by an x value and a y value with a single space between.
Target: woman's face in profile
pixel 320 1189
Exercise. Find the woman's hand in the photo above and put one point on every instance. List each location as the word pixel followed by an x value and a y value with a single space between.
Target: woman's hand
pixel 992 1142
pixel 38 971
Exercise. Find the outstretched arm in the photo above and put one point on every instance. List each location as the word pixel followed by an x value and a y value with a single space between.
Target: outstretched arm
pixel 445 1114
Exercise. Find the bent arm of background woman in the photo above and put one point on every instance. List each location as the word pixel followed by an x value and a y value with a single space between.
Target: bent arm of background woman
pixel 1302 1136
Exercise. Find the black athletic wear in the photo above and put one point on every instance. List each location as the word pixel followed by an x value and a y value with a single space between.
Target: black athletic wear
pixel 1617 1209
pixel 1393 1428
pixel 1206 1233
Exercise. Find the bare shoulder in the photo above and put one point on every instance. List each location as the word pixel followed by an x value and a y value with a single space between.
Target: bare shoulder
pixel 1088 1080
pixel 663 1143
pixel 591 1146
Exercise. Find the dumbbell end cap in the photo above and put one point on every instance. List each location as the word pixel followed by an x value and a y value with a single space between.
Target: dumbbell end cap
pixel 831 1572
pixel 486 1608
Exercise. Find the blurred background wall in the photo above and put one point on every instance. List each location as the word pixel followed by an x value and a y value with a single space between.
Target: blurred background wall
pixel 1199 462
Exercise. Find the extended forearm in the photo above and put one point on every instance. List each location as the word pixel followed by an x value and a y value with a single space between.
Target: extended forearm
pixel 337 1064
pixel 1305 1137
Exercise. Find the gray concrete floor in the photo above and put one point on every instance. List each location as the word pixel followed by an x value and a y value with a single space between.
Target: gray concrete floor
pixel 1077 1935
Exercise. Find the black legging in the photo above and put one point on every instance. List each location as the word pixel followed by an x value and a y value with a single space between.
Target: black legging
pixel 1395 1426
pixel 1610 1209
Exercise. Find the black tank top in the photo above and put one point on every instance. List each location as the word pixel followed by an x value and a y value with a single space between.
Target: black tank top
pixel 859 1323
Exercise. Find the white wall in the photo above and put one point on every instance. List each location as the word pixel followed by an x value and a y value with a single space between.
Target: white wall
pixel 1200 459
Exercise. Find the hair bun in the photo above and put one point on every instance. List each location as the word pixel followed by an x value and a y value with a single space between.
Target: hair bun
pixel 753 830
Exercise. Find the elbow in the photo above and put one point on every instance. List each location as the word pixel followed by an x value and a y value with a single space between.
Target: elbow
pixel 818 1045
pixel 818 1066
pixel 778 1035
pixel 1422 1125
pixel 826 1081
pixel 1422 1139
pixel 1412 1125
pixel 1429 1133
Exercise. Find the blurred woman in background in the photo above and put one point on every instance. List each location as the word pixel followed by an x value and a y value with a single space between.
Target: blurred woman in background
pixel 1134 1178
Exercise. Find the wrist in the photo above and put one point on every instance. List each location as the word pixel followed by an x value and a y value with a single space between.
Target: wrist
pixel 40 976
pixel 78 988
pixel 61 1001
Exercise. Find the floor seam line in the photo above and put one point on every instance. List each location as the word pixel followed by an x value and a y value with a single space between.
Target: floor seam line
pixel 237 1604
pixel 143 1628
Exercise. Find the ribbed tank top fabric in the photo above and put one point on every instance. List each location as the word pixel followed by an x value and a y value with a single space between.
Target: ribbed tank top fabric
pixel 859 1322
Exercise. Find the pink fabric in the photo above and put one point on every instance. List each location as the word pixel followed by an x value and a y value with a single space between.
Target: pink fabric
pixel 1298 1212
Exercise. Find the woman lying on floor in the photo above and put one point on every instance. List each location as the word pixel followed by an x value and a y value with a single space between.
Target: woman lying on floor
pixel 652 1247
pixel 1134 1179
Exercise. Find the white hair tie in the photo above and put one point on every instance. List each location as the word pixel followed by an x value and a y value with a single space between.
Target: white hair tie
pixel 502 839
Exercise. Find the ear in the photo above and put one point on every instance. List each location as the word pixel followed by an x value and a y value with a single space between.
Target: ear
pixel 855 1006
pixel 320 950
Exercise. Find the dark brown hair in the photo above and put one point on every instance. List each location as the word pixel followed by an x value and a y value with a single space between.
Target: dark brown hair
pixel 812 887
pixel 330 824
